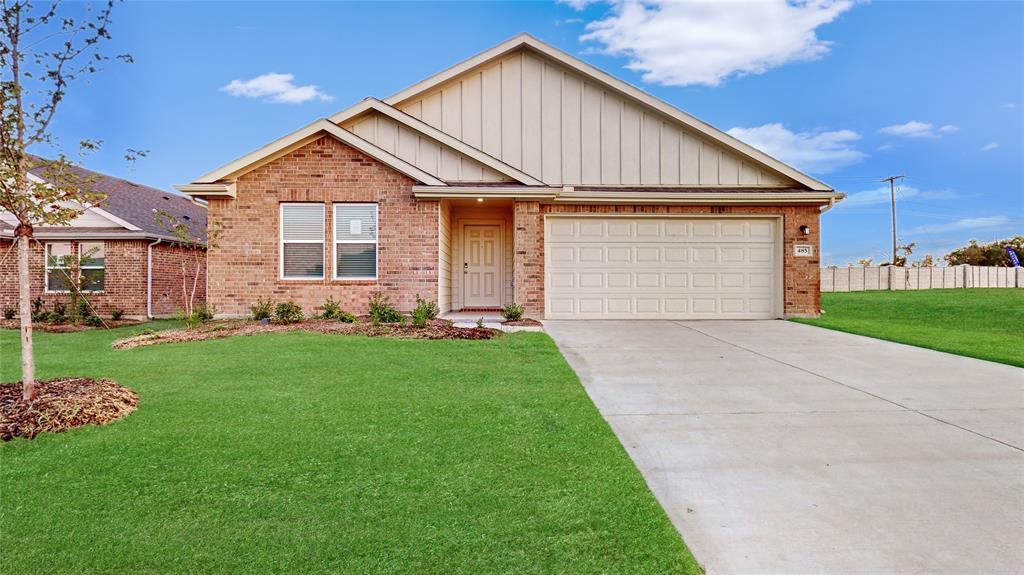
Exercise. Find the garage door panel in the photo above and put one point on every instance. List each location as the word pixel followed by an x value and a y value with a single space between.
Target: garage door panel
pixel 647 268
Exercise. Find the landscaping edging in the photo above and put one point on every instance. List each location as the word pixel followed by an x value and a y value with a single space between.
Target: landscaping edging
pixel 63 404
pixel 435 329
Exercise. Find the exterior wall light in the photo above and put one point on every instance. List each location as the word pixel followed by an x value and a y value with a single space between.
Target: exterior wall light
pixel 479 199
pixel 805 230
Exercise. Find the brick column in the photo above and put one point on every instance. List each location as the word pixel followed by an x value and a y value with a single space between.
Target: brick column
pixel 528 267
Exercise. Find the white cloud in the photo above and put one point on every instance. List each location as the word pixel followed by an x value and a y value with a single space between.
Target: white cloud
pixel 985 223
pixel 990 146
pixel 579 4
pixel 278 88
pixel 684 43
pixel 915 129
pixel 880 195
pixel 1010 105
pixel 820 152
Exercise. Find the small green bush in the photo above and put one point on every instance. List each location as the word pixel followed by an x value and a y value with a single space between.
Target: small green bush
pixel 8 312
pixel 264 309
pixel 429 309
pixel 381 310
pixel 480 323
pixel 92 321
pixel 204 312
pixel 419 317
pixel 116 314
pixel 288 312
pixel 332 310
pixel 37 308
pixel 512 312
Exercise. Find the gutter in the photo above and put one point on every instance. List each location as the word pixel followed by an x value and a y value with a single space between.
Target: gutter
pixel 149 278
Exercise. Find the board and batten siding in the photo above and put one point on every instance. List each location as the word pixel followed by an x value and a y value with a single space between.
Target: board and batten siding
pixel 420 150
pixel 564 129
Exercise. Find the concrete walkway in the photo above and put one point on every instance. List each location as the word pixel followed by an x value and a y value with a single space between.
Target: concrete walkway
pixel 777 447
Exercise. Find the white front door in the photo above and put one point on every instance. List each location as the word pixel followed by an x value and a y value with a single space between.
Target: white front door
pixel 481 265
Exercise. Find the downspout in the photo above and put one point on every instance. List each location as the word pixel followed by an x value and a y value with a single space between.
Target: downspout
pixel 149 279
pixel 831 204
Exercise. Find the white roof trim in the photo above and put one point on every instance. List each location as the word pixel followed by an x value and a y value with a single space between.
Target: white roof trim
pixel 432 132
pixel 123 223
pixel 206 190
pixel 614 83
pixel 305 135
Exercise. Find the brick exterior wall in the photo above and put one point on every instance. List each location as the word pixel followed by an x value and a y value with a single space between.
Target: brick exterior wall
pixel 244 265
pixel 801 284
pixel 124 278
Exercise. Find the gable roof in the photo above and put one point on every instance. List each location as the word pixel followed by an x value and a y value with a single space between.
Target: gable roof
pixel 128 209
pixel 301 137
pixel 632 96
pixel 429 131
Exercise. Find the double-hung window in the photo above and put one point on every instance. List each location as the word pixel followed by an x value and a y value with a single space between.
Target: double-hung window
pixel 355 241
pixel 92 263
pixel 59 266
pixel 302 241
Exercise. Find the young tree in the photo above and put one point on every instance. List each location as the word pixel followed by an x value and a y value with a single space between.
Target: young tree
pixel 43 50
pixel 194 241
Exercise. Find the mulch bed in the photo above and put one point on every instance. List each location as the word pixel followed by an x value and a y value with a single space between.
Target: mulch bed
pixel 65 327
pixel 525 322
pixel 435 329
pixel 61 405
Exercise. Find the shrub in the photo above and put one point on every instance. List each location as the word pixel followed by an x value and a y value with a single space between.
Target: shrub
pixel 8 312
pixel 381 310
pixel 58 314
pixel 92 320
pixel 429 309
pixel 332 310
pixel 264 309
pixel 288 312
pixel 116 314
pixel 419 317
pixel 37 307
pixel 204 312
pixel 480 323
pixel 512 312
pixel 79 311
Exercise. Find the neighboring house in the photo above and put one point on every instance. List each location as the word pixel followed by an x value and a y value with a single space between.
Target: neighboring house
pixel 129 262
pixel 520 175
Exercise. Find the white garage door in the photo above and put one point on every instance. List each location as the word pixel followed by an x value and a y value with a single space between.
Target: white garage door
pixel 652 268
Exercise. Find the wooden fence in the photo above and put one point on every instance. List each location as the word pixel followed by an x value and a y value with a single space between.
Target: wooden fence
pixel 835 279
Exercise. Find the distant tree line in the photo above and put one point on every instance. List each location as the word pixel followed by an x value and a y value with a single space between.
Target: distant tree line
pixel 974 253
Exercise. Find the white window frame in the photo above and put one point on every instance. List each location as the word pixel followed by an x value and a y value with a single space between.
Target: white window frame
pixel 48 267
pixel 281 242
pixel 103 267
pixel 376 241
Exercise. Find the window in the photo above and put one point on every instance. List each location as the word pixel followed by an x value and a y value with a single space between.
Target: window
pixel 92 256
pixel 302 241
pixel 58 267
pixel 355 241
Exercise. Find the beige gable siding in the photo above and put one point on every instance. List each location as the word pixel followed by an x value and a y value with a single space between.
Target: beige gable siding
pixel 420 150
pixel 566 129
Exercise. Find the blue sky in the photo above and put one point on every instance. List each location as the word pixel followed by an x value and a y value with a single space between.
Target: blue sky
pixel 849 92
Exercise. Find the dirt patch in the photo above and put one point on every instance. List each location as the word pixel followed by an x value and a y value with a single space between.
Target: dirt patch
pixel 435 329
pixel 525 322
pixel 61 405
pixel 66 327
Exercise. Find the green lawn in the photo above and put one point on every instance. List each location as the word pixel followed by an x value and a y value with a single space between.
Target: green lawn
pixel 983 323
pixel 300 452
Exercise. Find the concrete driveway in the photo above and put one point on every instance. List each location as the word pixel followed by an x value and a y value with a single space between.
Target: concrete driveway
pixel 777 447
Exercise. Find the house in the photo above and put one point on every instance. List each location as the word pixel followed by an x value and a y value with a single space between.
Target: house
pixel 519 175
pixel 130 262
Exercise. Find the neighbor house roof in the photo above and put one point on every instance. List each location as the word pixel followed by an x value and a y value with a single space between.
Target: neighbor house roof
pixel 128 211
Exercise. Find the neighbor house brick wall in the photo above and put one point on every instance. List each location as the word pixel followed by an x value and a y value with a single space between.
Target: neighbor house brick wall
pixel 124 277
pixel 170 263
pixel 244 265
pixel 801 295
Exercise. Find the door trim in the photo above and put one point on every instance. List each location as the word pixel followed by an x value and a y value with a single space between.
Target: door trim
pixel 500 224
pixel 778 301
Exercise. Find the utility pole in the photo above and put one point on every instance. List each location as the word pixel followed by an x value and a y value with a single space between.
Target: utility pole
pixel 892 204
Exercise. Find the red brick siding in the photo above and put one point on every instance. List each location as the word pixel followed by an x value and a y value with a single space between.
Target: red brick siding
pixel 170 264
pixel 244 264
pixel 124 278
pixel 801 295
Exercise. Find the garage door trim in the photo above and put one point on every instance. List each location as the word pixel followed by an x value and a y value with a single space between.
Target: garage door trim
pixel 779 247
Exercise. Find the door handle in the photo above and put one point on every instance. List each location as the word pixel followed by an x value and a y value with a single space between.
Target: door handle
pixel 465 267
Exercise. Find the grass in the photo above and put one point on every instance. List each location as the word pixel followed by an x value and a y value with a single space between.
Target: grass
pixel 982 323
pixel 301 452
